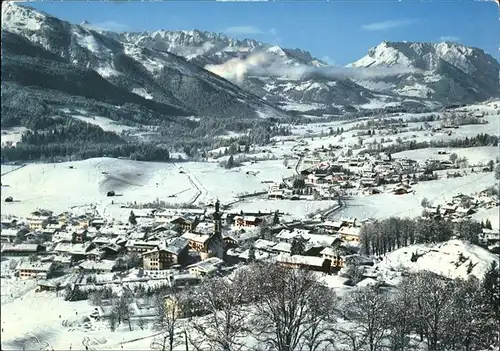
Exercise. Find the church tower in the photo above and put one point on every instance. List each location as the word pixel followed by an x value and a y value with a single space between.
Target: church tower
pixel 217 218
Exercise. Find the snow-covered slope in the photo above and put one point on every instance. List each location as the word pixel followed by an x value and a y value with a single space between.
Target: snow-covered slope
pixel 147 73
pixel 446 71
pixel 451 259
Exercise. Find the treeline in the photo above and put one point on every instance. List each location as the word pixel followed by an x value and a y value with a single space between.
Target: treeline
pixel 383 236
pixel 83 150
pixel 266 306
pixel 478 140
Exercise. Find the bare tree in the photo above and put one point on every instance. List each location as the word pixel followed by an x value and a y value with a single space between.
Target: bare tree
pixel 453 157
pixel 226 324
pixel 466 326
pixel 425 203
pixel 402 310
pixel 366 308
pixel 292 310
pixel 121 309
pixel 95 298
pixel 433 299
pixel 169 307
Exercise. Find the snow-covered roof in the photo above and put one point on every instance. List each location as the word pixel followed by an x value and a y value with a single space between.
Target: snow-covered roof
pixel 262 244
pixel 199 238
pixel 174 245
pixel 20 247
pixel 8 232
pixel 354 231
pixel 302 260
pixel 209 265
pixel 75 249
pixel 283 247
pixel 104 265
pixel 35 266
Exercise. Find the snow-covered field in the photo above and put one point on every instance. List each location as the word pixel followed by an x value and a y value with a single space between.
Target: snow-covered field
pixel 58 187
pixel 476 155
pixel 12 135
pixel 409 205
pixel 443 258
pixel 106 124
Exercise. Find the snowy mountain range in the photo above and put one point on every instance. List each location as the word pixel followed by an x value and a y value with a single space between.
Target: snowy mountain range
pixel 42 51
pixel 412 73
pixel 180 73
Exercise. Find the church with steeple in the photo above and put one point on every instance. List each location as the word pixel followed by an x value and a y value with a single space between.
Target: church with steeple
pixel 208 244
pixel 216 244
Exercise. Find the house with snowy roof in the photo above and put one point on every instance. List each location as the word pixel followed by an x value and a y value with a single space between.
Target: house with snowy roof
pixel 9 249
pixel 35 269
pixel 206 268
pixel 8 235
pixel 306 262
pixel 350 233
pixel 174 251
pixel 104 266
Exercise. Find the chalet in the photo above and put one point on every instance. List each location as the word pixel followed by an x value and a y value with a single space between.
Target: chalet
pixel 281 248
pixel 489 236
pixel 371 191
pixel 46 285
pixel 208 267
pixel 8 222
pixel 332 226
pixel 35 269
pixel 275 192
pixel 449 208
pixel 244 240
pixel 332 255
pixel 399 190
pixel 187 221
pixel 247 221
pixel 264 245
pixel 104 266
pixel 97 222
pixel 75 251
pixel 349 233
pixel 308 262
pixel 114 230
pixel 9 249
pixel 83 221
pixel 205 244
pixel 140 246
pixel 164 256
pixel 94 254
pixel 8 235
pixel 38 223
pixel 288 236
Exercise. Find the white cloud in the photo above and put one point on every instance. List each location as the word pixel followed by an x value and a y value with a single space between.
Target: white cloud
pixel 243 30
pixel 384 25
pixel 328 60
pixel 449 38
pixel 111 26
pixel 265 64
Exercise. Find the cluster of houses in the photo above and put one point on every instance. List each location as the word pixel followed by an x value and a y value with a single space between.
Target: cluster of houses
pixel 198 243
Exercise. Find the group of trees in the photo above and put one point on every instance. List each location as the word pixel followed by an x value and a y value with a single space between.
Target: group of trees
pixel 383 236
pixel 478 140
pixel 266 306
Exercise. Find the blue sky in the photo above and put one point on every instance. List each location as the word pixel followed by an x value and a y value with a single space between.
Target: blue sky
pixel 340 32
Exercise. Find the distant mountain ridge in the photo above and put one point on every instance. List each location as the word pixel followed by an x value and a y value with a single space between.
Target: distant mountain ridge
pixel 182 73
pixel 444 72
pixel 447 72
pixel 154 77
